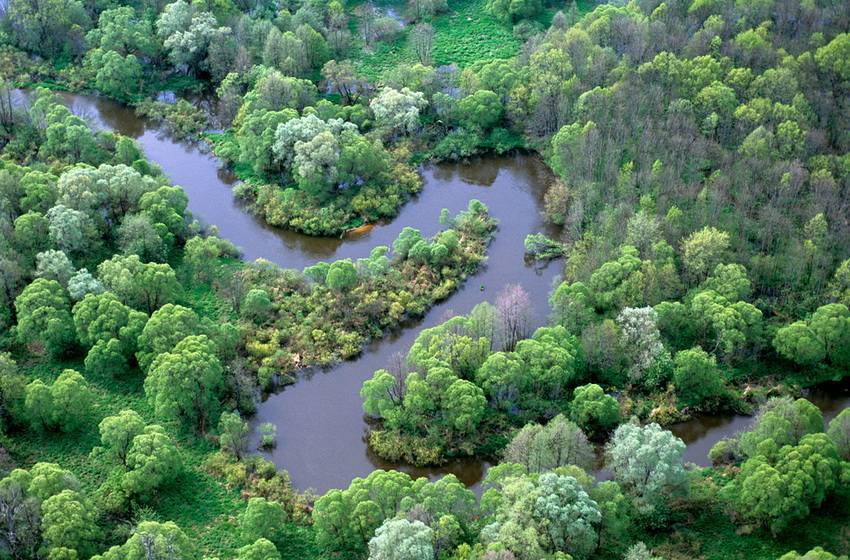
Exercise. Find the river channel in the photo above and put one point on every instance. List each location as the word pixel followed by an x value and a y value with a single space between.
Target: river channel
pixel 321 428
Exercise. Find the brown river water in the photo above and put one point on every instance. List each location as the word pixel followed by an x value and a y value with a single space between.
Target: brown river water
pixel 321 428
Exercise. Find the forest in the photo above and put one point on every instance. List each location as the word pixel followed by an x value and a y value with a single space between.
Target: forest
pixel 693 213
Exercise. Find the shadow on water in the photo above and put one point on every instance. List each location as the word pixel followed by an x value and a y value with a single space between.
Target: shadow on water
pixel 321 428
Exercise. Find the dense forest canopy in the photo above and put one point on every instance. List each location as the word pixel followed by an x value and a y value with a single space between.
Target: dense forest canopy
pixel 700 152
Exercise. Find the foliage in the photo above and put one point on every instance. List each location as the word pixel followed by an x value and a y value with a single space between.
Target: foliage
pixel 824 337
pixel 647 462
pixel 558 443
pixel 696 377
pixel 184 383
pixel 233 434
pixel 64 405
pixel 44 316
pixel 593 410
pixel 262 519
pixel 781 422
pixel 261 549
pixel 117 433
pixel 551 514
pixel 775 492
pixel 440 399
pixel 401 539
pixel 153 462
pixel 345 520
pixel 140 285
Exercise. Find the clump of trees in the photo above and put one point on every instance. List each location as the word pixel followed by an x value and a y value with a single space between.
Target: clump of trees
pixel 333 308
pixel 789 465
pixel 63 405
pixel 457 388
pixel 558 443
pixel 823 338
pixel 47 514
pixel 548 509
pixel 346 520
pixel 317 167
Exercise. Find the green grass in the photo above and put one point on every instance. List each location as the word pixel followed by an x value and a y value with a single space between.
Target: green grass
pixel 465 34
pixel 712 535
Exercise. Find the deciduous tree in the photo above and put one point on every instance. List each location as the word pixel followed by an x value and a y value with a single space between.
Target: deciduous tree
pixel 184 383
pixel 647 462
pixel 44 316
pixel 262 518
pixel 594 411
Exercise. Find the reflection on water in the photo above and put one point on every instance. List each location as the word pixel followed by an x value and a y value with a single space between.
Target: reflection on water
pixel 320 422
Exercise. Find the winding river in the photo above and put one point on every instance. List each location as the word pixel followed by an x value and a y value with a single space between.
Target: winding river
pixel 321 429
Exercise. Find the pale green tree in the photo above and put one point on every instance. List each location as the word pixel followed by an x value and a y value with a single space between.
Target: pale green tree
pixel 54 265
pixel 400 539
pixel 398 111
pixel 647 462
pixel 567 515
pixel 71 230
pixel 81 283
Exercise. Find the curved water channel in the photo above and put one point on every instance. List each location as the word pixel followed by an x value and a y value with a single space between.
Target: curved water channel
pixel 321 428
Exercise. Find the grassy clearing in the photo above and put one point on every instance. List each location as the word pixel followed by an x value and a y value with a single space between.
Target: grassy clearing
pixel 465 34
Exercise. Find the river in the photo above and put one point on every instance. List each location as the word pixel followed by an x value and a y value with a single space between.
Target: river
pixel 321 429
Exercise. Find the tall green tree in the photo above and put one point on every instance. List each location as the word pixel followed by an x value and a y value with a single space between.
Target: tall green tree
pixel 142 286
pixel 184 383
pixel 153 462
pixel 647 462
pixel 44 316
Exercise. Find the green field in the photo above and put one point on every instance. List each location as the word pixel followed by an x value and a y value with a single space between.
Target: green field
pixel 465 34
